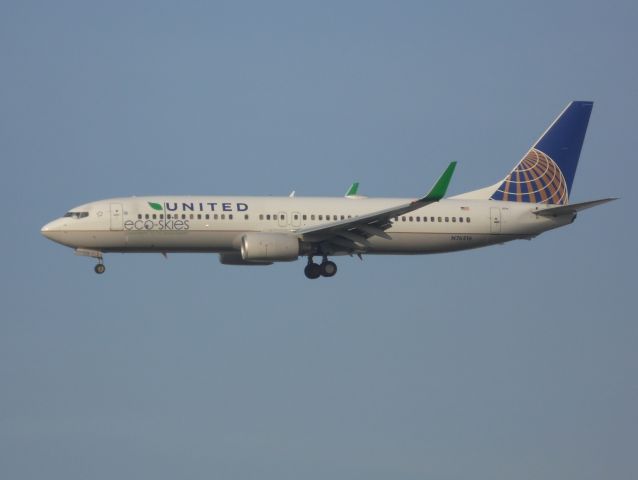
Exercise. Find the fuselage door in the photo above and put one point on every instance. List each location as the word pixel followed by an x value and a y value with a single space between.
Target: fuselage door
pixel 495 220
pixel 116 216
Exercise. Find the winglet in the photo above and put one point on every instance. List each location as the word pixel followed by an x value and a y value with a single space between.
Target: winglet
pixel 352 191
pixel 440 187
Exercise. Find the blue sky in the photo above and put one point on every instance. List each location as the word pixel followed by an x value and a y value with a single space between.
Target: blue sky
pixel 515 361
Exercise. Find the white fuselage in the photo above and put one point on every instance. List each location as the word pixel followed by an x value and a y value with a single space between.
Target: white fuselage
pixel 217 224
pixel 246 230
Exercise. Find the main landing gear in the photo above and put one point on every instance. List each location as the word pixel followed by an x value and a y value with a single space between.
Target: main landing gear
pixel 325 269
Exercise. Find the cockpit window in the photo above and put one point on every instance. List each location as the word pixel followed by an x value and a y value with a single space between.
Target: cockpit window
pixel 76 214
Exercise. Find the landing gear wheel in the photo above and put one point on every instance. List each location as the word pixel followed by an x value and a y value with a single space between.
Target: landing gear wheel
pixel 100 268
pixel 312 271
pixel 328 268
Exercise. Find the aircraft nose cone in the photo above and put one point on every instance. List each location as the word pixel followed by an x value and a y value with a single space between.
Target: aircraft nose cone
pixel 47 230
pixel 57 231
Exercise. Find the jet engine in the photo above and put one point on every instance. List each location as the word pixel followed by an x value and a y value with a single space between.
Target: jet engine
pixel 269 247
pixel 235 258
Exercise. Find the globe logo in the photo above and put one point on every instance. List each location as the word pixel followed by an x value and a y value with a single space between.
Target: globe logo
pixel 536 179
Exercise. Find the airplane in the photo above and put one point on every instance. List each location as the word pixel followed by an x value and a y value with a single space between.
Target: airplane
pixel 249 230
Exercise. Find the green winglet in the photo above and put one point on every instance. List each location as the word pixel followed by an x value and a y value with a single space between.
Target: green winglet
pixel 354 188
pixel 440 187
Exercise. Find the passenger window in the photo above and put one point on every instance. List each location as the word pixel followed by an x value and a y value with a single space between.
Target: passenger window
pixel 274 217
pixel 215 216
pixel 320 217
pixel 467 219
pixel 305 217
pixel 192 216
pixel 447 219
pixel 268 217
pixel 403 219
pixel 230 216
pixel 439 219
pixel 343 217
pixel 183 216
pixel 223 216
pixel 246 216
pixel 418 219
pixel 146 216
pixel 161 216
pixel 432 219
pixel 312 217
pixel 411 219
pixel 139 216
pixel 296 217
pixel 334 217
pixel 461 219
pixel 207 216
pixel 453 219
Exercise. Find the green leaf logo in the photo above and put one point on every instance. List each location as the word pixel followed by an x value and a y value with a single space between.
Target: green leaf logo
pixel 156 206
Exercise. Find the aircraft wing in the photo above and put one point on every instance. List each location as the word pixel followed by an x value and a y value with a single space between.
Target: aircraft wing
pixel 353 233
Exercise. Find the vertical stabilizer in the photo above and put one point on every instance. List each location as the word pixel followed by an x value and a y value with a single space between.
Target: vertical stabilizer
pixel 546 172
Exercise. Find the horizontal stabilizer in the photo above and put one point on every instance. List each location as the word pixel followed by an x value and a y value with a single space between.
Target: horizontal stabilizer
pixel 571 208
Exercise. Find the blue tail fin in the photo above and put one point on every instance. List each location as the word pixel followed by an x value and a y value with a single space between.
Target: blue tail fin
pixel 546 172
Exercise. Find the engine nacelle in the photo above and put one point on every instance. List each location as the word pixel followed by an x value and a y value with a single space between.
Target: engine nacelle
pixel 269 247
pixel 235 258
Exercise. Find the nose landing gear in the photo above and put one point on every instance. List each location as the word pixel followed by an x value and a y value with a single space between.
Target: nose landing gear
pixel 85 252
pixel 325 269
